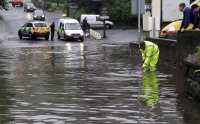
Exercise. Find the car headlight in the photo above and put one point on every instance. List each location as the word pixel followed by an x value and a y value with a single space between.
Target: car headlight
pixel 28 7
pixel 67 33
pixel 172 28
pixel 82 33
pixel 34 7
pixel 42 15
pixel 35 16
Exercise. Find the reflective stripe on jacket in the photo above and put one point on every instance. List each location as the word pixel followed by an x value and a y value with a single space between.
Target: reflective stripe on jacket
pixel 150 50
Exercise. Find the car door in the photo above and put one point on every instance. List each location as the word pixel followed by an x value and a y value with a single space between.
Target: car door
pixel 91 20
pixel 23 29
pixel 99 22
pixel 28 28
pixel 62 30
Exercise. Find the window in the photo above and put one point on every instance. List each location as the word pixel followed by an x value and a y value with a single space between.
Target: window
pixel 98 18
pixel 29 25
pixel 40 25
pixel 72 26
pixel 24 25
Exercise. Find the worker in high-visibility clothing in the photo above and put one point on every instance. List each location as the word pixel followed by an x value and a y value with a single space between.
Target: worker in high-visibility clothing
pixel 150 55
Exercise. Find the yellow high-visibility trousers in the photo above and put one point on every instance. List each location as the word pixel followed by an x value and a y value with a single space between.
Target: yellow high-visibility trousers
pixel 153 62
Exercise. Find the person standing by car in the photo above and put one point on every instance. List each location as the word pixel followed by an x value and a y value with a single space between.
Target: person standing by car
pixel 85 24
pixel 188 16
pixel 52 30
pixel 195 8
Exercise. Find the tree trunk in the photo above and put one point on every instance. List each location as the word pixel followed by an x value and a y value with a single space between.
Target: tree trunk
pixel 67 8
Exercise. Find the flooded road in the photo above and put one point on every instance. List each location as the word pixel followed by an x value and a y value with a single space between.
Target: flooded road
pixel 84 83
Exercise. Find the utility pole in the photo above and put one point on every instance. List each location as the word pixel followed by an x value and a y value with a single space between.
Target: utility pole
pixel 139 28
pixel 104 22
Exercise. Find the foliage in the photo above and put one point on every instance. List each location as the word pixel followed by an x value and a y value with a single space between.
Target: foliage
pixel 78 13
pixel 196 71
pixel 1 18
pixel 48 6
pixel 55 4
pixel 119 11
pixel 65 8
pixel 51 9
pixel 147 1
pixel 57 1
pixel 4 5
pixel 198 50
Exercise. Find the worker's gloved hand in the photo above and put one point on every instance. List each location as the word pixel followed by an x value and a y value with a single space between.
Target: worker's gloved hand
pixel 142 68
pixel 182 30
pixel 142 61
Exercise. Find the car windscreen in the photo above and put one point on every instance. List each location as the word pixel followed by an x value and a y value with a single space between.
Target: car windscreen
pixel 39 12
pixel 40 25
pixel 72 26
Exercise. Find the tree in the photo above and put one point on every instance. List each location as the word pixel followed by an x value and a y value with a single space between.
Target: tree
pixel 4 5
pixel 120 11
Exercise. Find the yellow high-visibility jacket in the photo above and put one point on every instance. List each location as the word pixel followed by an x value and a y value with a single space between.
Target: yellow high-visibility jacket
pixel 150 54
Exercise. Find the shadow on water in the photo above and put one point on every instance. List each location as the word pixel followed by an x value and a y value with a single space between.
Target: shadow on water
pixel 88 83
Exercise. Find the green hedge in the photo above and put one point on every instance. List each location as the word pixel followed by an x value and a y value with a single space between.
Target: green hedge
pixel 48 6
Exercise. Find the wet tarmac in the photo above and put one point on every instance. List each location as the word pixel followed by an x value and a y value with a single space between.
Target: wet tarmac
pixel 90 82
pixel 80 83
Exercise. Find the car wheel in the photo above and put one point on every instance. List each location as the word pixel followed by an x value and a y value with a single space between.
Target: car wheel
pixel 108 26
pixel 30 36
pixel 47 38
pixel 65 38
pixel 20 35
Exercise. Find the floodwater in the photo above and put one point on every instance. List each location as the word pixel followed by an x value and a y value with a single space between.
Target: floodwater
pixel 89 84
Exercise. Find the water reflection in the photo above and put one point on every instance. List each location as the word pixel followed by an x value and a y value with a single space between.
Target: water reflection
pixel 150 88
pixel 86 83
pixel 6 94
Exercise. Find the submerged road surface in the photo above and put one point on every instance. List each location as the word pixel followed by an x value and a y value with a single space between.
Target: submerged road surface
pixel 91 82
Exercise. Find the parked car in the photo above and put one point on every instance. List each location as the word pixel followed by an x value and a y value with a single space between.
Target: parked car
pixel 10 1
pixel 94 21
pixel 171 29
pixel 34 29
pixel 39 15
pixel 69 29
pixel 28 6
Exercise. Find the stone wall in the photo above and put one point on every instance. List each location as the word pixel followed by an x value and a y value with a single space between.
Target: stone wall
pixel 173 51
pixel 176 53
pixel 192 81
